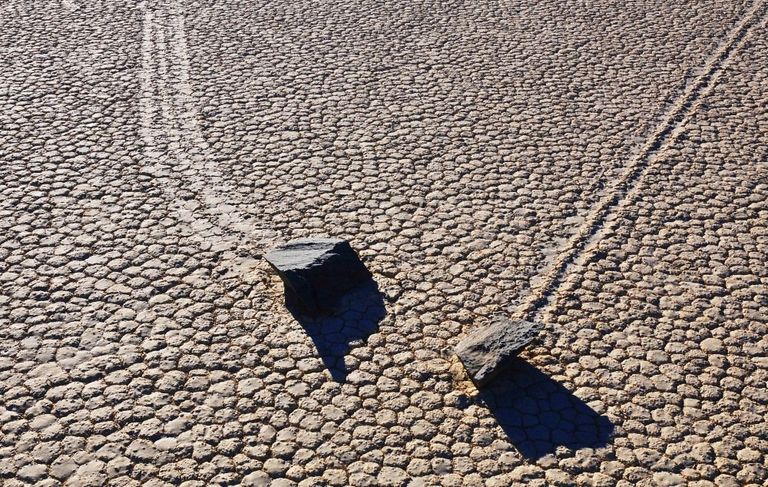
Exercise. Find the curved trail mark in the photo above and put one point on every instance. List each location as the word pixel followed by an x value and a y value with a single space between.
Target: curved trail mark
pixel 175 150
pixel 601 218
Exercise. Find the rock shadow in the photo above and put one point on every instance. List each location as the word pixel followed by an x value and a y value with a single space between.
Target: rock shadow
pixel 357 316
pixel 538 414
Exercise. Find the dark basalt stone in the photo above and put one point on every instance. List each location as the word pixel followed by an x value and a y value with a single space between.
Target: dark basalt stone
pixel 492 348
pixel 316 272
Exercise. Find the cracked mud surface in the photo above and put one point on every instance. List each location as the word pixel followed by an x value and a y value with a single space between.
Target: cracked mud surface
pixel 601 166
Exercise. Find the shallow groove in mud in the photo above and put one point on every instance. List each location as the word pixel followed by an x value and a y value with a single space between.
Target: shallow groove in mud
pixel 596 222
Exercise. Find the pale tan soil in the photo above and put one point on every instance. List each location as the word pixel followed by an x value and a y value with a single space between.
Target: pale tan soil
pixel 599 166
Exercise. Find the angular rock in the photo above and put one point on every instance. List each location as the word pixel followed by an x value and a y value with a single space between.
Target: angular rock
pixel 490 349
pixel 316 272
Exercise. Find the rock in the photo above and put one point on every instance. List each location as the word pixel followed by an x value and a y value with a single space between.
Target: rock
pixel 492 348
pixel 316 272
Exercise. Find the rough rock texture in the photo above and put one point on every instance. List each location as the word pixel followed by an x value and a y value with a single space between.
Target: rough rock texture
pixel 317 272
pixel 492 348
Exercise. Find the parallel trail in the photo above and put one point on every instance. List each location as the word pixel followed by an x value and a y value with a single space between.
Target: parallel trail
pixel 175 149
pixel 600 220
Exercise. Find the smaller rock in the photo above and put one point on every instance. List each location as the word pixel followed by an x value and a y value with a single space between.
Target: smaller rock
pixel 316 272
pixel 492 348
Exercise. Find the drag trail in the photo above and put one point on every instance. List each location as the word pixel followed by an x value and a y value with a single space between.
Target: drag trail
pixel 602 217
pixel 175 150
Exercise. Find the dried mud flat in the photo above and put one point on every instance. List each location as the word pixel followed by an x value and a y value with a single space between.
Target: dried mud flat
pixel 598 166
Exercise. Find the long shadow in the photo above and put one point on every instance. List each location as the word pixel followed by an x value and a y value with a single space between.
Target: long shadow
pixel 538 414
pixel 357 316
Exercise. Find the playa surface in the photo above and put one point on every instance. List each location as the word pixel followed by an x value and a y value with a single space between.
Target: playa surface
pixel 600 167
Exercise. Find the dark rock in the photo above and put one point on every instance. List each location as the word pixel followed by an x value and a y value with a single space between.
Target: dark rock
pixel 490 349
pixel 316 272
